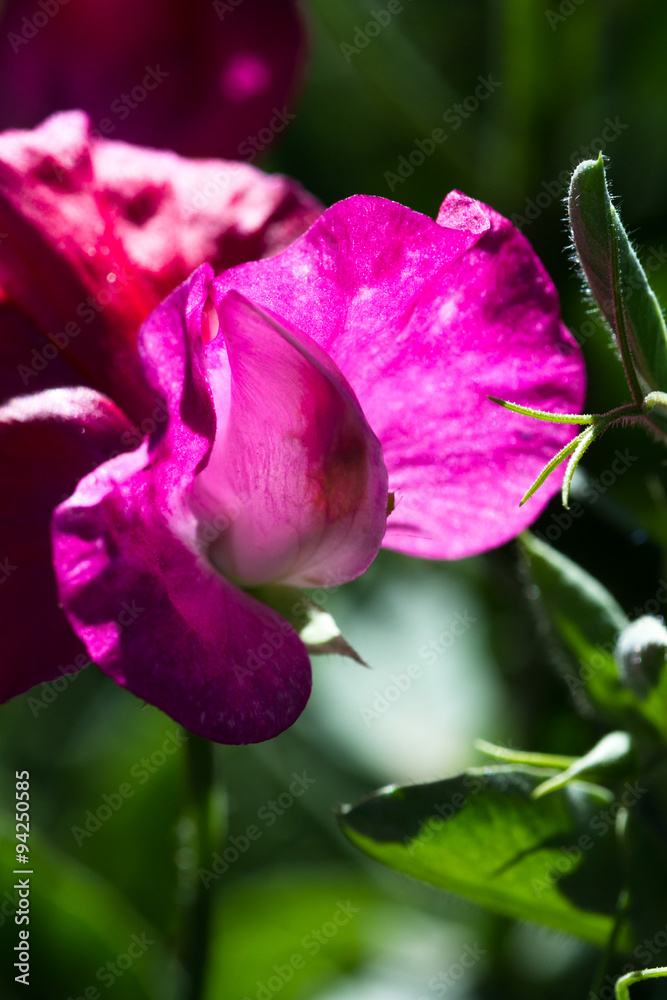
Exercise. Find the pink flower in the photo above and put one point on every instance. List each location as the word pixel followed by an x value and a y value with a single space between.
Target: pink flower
pixel 201 78
pixel 93 234
pixel 353 365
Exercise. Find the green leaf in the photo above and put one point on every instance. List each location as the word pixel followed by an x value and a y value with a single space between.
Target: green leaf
pixel 616 277
pixel 482 836
pixel 587 620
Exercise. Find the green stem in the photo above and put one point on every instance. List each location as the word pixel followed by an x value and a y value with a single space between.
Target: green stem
pixel 623 984
pixel 586 438
pixel 610 947
pixel 627 411
pixel 203 811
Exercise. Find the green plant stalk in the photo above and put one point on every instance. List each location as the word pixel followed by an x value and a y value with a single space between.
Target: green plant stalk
pixel 196 934
pixel 610 948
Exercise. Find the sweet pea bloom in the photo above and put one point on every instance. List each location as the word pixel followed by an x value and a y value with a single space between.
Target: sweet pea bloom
pixel 202 78
pixel 93 234
pixel 302 397
pixel 301 391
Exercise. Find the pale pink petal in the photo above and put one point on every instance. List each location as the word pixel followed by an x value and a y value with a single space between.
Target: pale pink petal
pixel 294 458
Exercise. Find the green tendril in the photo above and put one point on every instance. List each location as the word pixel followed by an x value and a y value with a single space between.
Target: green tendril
pixel 585 440
pixel 554 418
pixel 553 464
pixel 577 447
pixel 625 982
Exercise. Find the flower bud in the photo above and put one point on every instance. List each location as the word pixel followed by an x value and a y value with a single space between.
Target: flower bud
pixel 640 654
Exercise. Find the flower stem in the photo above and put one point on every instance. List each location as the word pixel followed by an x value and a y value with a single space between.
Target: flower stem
pixel 204 813
pixel 610 947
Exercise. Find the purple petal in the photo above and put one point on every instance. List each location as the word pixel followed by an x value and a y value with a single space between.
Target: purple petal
pixel 294 459
pixel 172 350
pixel 47 443
pixel 160 621
pixel 425 320
pixel 135 583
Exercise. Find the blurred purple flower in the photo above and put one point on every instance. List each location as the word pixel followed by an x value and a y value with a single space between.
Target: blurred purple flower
pixel 197 77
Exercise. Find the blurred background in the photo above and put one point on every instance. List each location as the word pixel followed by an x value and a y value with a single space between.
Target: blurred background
pixel 523 90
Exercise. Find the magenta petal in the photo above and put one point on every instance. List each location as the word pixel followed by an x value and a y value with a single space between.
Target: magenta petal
pixel 135 583
pixel 47 443
pixel 160 621
pixel 295 466
pixel 171 347
pixel 425 320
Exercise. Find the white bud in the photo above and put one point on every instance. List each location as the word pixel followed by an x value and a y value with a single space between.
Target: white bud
pixel 640 654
